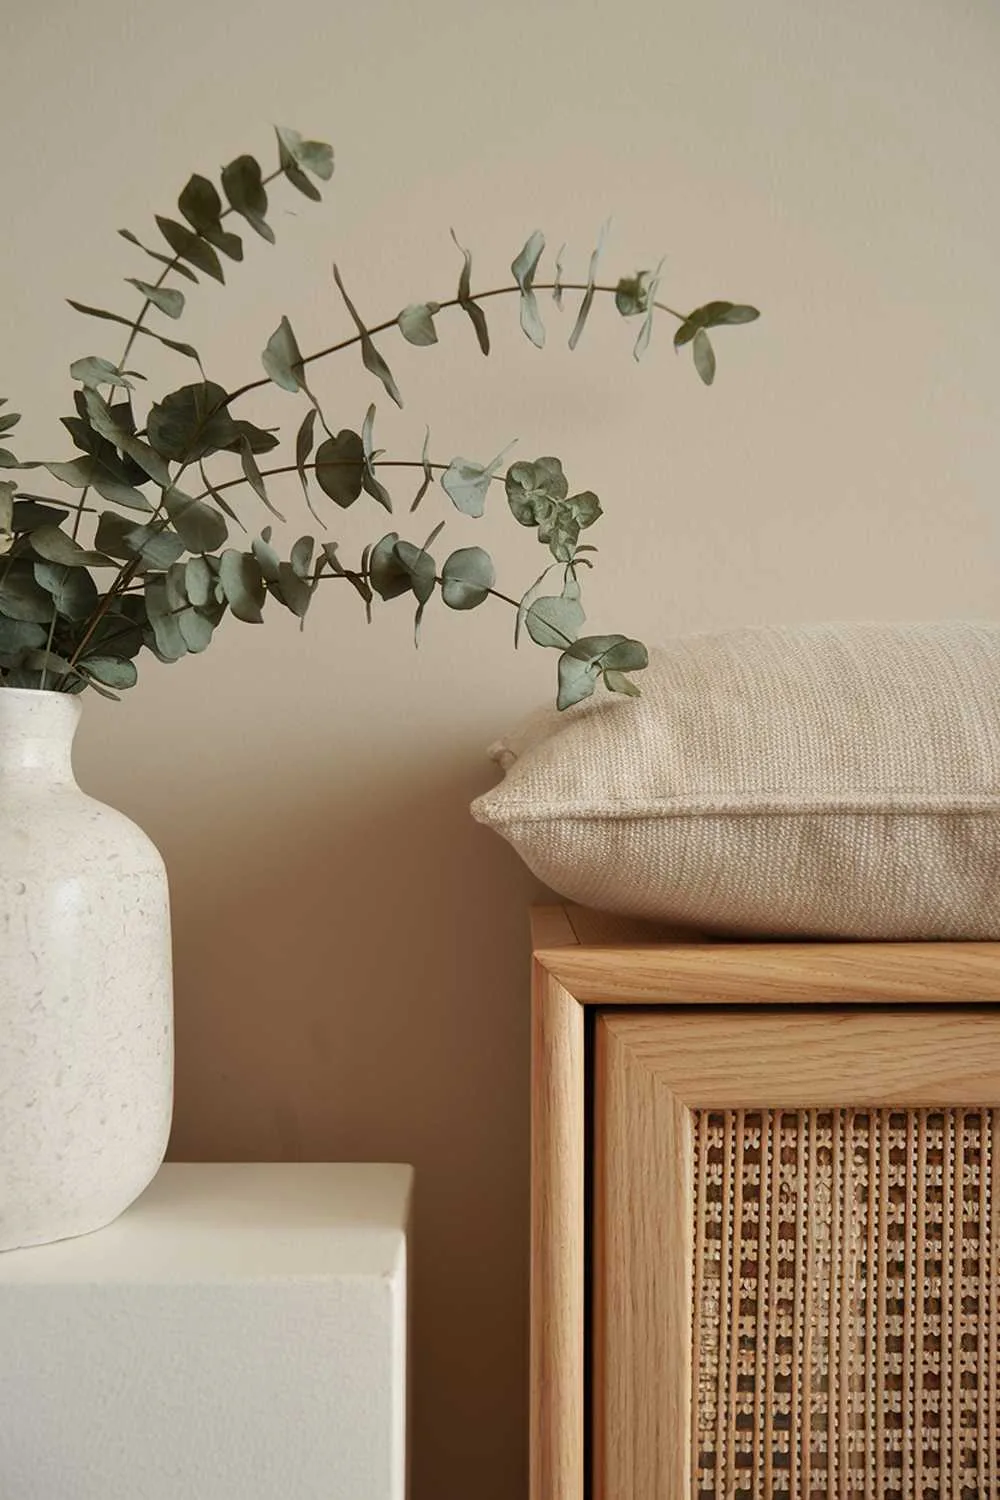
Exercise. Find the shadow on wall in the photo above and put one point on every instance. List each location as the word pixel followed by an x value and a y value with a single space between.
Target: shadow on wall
pixel 351 976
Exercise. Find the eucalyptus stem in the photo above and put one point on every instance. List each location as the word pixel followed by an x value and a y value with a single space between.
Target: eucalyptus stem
pixel 319 576
pixel 499 291
pixel 126 573
pixel 48 644
pixel 148 303
pixel 335 463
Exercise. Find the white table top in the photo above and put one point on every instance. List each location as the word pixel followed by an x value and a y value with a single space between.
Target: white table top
pixel 238 1221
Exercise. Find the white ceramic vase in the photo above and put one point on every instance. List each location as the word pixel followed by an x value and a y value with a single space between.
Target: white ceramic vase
pixel 86 1032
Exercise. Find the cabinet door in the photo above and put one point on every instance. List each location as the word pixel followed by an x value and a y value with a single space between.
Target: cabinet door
pixel 796 1255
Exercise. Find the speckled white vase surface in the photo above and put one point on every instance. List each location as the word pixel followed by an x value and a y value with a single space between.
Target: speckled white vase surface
pixel 86 1031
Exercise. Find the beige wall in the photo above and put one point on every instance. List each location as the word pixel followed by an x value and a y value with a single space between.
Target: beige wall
pixel 350 947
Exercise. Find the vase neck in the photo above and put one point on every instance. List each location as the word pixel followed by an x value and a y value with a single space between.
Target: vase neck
pixel 36 736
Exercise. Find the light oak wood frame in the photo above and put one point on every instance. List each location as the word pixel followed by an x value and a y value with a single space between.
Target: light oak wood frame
pixel 584 962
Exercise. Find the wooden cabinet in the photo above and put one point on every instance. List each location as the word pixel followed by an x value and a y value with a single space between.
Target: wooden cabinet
pixel 765 1217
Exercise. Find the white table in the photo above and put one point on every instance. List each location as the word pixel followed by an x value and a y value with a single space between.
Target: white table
pixel 238 1334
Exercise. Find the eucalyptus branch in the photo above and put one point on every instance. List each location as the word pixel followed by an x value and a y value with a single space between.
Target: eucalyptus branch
pixel 176 574
pixel 499 291
pixel 333 463
pixel 120 585
pixel 172 267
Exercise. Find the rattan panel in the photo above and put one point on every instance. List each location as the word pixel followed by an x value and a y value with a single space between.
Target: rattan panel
pixel 847 1305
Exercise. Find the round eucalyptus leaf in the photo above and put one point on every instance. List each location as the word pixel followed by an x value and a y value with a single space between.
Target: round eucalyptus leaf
pixel 168 299
pixel 389 578
pixel 467 577
pixel 21 595
pixel 190 247
pixel 340 467
pixel 117 634
pixel 282 358
pixel 173 578
pixel 192 422
pixel 416 323
pixel 704 356
pixel 200 526
pixel 421 568
pixel 737 312
pixel 554 621
pixel 30 514
pixel 632 294
pixel 196 630
pixel 467 484
pixel 610 653
pixel 301 556
pixel 74 592
pixel 243 184
pixel 243 585
pixel 617 682
pixel 577 680
pixel 267 558
pixel 110 671
pixel 56 545
pixel 198 581
pixel 314 156
pixel 292 591
pixel 168 643
pixel 532 487
pixel 200 204
pixel 94 371
pixel 20 635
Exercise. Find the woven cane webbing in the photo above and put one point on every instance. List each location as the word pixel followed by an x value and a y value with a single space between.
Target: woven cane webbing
pixel 847 1305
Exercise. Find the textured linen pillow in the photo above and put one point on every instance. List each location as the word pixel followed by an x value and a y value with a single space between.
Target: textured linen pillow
pixel 836 780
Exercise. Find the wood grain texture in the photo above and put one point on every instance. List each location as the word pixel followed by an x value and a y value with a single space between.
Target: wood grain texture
pixel 819 1059
pixel 551 927
pixel 779 973
pixel 656 1077
pixel 557 1243
pixel 604 959
pixel 643 1253
pixel 592 959
pixel 603 928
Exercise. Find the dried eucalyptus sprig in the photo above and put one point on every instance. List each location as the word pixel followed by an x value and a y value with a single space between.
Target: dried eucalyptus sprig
pixel 163 547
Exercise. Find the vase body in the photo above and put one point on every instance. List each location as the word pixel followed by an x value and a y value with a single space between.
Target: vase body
pixel 86 1030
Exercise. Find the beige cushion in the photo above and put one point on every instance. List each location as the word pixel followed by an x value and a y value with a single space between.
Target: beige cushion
pixel 830 780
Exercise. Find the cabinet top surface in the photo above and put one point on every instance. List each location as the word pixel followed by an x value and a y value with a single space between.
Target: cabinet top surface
pixel 605 959
pixel 228 1222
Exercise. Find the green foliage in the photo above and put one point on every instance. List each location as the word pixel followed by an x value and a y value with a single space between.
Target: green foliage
pixel 588 295
pixel 243 185
pixel 693 331
pixel 467 484
pixel 467 577
pixel 370 357
pixel 340 467
pixel 416 322
pixel 537 494
pixel 594 657
pixel 191 423
pixel 86 590
pixel 466 301
pixel 282 358
pixel 524 266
